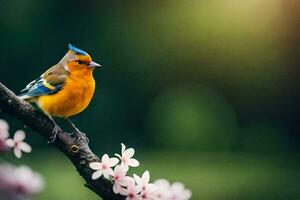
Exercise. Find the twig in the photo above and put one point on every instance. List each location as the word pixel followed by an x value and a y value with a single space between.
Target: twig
pixel 76 147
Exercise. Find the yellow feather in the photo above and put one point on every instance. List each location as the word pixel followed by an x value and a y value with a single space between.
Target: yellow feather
pixel 46 84
pixel 73 98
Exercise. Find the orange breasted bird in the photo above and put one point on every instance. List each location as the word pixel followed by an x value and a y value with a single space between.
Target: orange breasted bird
pixel 65 89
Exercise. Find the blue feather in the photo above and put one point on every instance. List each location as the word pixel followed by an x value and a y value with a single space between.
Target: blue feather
pixel 76 50
pixel 38 89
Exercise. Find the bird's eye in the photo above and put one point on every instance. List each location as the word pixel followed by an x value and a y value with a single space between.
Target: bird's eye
pixel 80 62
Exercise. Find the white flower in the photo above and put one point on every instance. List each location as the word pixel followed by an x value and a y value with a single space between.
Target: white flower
pixel 103 167
pixel 143 182
pixel 18 144
pixel 3 135
pixel 33 181
pixel 131 191
pixel 120 179
pixel 19 182
pixel 179 192
pixel 126 158
pixel 162 191
pixel 147 189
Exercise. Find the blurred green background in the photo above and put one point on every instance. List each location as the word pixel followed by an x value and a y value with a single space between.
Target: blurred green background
pixel 205 91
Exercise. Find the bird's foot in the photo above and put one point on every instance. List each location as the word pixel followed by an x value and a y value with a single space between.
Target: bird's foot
pixel 77 133
pixel 55 132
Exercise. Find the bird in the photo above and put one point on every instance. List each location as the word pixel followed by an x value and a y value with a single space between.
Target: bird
pixel 65 89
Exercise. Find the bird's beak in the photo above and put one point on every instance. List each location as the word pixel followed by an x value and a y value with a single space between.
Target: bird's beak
pixel 94 65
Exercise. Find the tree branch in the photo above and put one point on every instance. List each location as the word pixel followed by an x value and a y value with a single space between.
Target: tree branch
pixel 74 147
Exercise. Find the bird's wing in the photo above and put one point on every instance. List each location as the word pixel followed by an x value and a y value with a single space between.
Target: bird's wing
pixel 49 82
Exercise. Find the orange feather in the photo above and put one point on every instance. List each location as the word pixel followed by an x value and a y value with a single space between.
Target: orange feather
pixel 73 98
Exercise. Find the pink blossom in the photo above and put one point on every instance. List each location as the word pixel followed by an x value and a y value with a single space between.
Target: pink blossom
pixel 19 182
pixel 104 167
pixel 34 181
pixel 18 144
pixel 126 158
pixel 120 179
pixel 147 189
pixel 165 191
pixel 178 192
pixel 131 191
pixel 162 191
pixel 136 188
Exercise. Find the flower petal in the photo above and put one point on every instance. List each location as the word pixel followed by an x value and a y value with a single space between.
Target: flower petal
pixel 133 162
pixel 112 162
pixel 128 152
pixel 125 181
pixel 95 165
pixel 118 155
pixel 123 147
pixel 124 192
pixel 17 152
pixel 116 188
pixel 96 174
pixel 177 187
pixel 10 143
pixel 124 166
pixel 137 179
pixel 105 158
pixel 146 177
pixel 186 194
pixel 137 188
pixel 24 147
pixel 3 125
pixel 151 187
pixel 19 136
pixel 162 183
pixel 108 172
pixel 4 135
pixel 119 171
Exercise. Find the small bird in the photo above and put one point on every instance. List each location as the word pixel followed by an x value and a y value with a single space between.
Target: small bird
pixel 65 89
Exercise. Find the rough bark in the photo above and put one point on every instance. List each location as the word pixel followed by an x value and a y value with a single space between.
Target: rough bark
pixel 75 147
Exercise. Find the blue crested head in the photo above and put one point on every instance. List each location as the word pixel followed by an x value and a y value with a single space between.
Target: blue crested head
pixel 76 50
